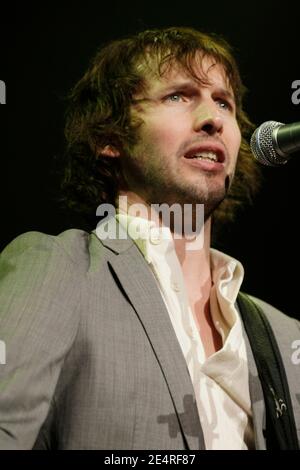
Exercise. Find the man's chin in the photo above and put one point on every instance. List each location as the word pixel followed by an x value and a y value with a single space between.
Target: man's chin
pixel 210 201
pixel 211 196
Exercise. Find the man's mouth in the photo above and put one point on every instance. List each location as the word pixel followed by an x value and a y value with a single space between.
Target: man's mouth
pixel 209 152
pixel 211 156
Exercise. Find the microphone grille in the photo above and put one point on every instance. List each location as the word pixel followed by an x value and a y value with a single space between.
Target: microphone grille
pixel 262 145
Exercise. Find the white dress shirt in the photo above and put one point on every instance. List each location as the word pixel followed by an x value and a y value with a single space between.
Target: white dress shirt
pixel 220 381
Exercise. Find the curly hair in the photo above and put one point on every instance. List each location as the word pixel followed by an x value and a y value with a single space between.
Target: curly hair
pixel 98 114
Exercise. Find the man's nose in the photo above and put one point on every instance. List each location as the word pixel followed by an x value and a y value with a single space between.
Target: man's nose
pixel 208 121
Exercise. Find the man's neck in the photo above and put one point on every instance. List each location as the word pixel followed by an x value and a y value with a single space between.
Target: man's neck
pixel 194 257
pixel 197 276
pixel 195 263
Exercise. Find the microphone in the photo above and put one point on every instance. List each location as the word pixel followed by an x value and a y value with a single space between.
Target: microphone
pixel 273 142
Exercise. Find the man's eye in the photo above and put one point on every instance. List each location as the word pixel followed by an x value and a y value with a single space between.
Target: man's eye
pixel 224 104
pixel 175 97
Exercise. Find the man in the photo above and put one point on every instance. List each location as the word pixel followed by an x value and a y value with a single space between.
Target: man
pixel 137 342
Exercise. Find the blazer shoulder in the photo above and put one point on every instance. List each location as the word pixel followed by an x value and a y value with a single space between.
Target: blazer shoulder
pixel 276 316
pixel 35 247
pixel 285 328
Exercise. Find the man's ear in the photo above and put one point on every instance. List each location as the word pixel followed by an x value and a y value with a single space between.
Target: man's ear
pixel 109 151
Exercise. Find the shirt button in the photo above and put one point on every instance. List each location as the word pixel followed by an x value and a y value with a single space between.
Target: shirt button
pixel 175 286
pixel 190 332
pixel 155 237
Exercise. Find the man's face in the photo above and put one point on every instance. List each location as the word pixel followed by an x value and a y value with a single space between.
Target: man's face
pixel 189 141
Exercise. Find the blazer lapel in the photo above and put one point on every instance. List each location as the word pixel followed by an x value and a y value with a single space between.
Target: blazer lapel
pixel 141 288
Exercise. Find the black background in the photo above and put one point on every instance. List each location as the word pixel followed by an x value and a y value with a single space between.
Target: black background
pixel 45 49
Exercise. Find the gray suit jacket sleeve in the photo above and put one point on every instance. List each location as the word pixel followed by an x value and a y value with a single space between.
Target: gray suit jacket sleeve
pixel 38 324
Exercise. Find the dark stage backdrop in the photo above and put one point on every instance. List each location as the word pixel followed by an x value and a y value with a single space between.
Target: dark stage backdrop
pixel 45 49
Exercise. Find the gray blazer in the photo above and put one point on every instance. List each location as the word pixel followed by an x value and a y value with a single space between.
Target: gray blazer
pixel 92 360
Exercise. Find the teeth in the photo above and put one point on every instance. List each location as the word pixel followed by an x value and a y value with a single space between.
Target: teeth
pixel 206 156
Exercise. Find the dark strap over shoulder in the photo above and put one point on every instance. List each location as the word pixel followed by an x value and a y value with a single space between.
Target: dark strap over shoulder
pixel 281 427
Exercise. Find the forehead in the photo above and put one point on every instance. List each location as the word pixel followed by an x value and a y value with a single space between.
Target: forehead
pixel 203 71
